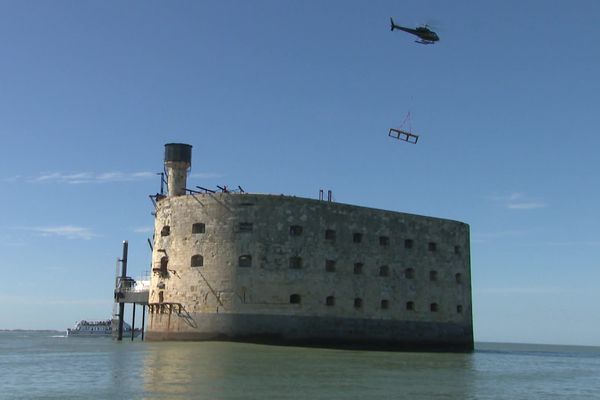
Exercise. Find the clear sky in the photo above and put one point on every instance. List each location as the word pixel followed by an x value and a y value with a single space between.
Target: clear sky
pixel 290 97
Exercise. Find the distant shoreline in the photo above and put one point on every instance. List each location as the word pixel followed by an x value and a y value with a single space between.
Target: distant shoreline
pixel 31 330
pixel 479 345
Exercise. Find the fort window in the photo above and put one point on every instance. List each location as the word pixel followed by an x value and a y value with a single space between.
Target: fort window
pixel 432 246
pixel 245 260
pixel 295 299
pixel 433 307
pixel 384 270
pixel 198 227
pixel 358 268
pixel 357 237
pixel 409 273
pixel 384 240
pixel 458 278
pixel 358 302
pixel 408 243
pixel 410 305
pixel 295 230
pixel 456 249
pixel 329 234
pixel 165 231
pixel 295 262
pixel 385 304
pixel 330 301
pixel 330 265
pixel 433 275
pixel 197 260
pixel 245 227
pixel 164 262
pixel 459 309
pixel 161 296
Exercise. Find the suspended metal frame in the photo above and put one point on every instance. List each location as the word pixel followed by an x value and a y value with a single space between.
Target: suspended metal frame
pixel 405 135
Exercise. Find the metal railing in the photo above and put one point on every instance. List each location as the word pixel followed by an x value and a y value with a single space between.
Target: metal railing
pixel 129 284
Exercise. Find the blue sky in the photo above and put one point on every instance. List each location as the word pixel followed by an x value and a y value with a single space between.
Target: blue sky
pixel 290 97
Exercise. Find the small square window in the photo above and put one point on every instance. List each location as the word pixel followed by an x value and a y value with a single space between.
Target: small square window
pixel 458 278
pixel 246 227
pixel 457 250
pixel 459 309
pixel 165 231
pixel 409 273
pixel 408 243
pixel 432 246
pixel 385 304
pixel 295 230
pixel 358 268
pixel 433 307
pixel 295 299
pixel 296 262
pixel 410 305
pixel 357 237
pixel 358 302
pixel 330 265
pixel 197 261
pixel 198 227
pixel 245 261
pixel 433 275
pixel 384 270
pixel 384 240
pixel 330 301
pixel 162 267
pixel 329 234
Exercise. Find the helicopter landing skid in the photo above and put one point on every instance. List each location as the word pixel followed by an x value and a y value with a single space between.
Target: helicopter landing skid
pixel 424 41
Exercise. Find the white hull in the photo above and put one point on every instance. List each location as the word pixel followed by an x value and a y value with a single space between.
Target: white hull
pixel 99 329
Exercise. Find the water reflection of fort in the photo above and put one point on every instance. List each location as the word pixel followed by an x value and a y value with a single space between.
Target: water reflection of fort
pixel 225 370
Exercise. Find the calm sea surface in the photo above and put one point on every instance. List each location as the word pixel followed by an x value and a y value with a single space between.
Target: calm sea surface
pixel 36 365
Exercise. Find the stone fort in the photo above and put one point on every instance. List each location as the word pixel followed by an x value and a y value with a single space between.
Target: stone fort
pixel 286 270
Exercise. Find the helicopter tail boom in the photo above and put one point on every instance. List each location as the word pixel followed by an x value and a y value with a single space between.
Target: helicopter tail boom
pixel 401 28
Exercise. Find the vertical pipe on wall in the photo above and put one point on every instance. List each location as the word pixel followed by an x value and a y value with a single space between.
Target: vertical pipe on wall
pixel 143 319
pixel 133 323
pixel 123 275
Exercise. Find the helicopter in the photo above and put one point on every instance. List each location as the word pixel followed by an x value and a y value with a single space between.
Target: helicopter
pixel 423 32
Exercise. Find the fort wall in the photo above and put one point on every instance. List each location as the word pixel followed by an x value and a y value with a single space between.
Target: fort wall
pixel 282 269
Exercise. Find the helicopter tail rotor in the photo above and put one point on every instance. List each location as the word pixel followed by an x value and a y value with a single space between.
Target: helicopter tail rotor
pixel 392 22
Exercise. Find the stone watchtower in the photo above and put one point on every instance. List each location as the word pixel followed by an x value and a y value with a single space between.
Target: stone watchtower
pixel 178 160
pixel 287 270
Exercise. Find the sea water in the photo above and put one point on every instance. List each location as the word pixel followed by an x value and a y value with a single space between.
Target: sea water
pixel 48 365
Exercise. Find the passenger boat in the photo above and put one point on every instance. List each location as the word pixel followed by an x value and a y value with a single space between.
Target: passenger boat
pixel 99 328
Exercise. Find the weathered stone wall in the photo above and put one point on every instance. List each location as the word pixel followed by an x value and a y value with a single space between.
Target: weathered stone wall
pixel 362 264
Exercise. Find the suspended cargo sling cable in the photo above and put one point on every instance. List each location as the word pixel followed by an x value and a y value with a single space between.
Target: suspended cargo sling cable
pixel 404 135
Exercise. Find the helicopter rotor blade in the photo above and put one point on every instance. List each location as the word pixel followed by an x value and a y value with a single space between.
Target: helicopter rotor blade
pixel 434 25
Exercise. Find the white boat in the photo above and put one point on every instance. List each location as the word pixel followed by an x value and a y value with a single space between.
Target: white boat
pixel 99 328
